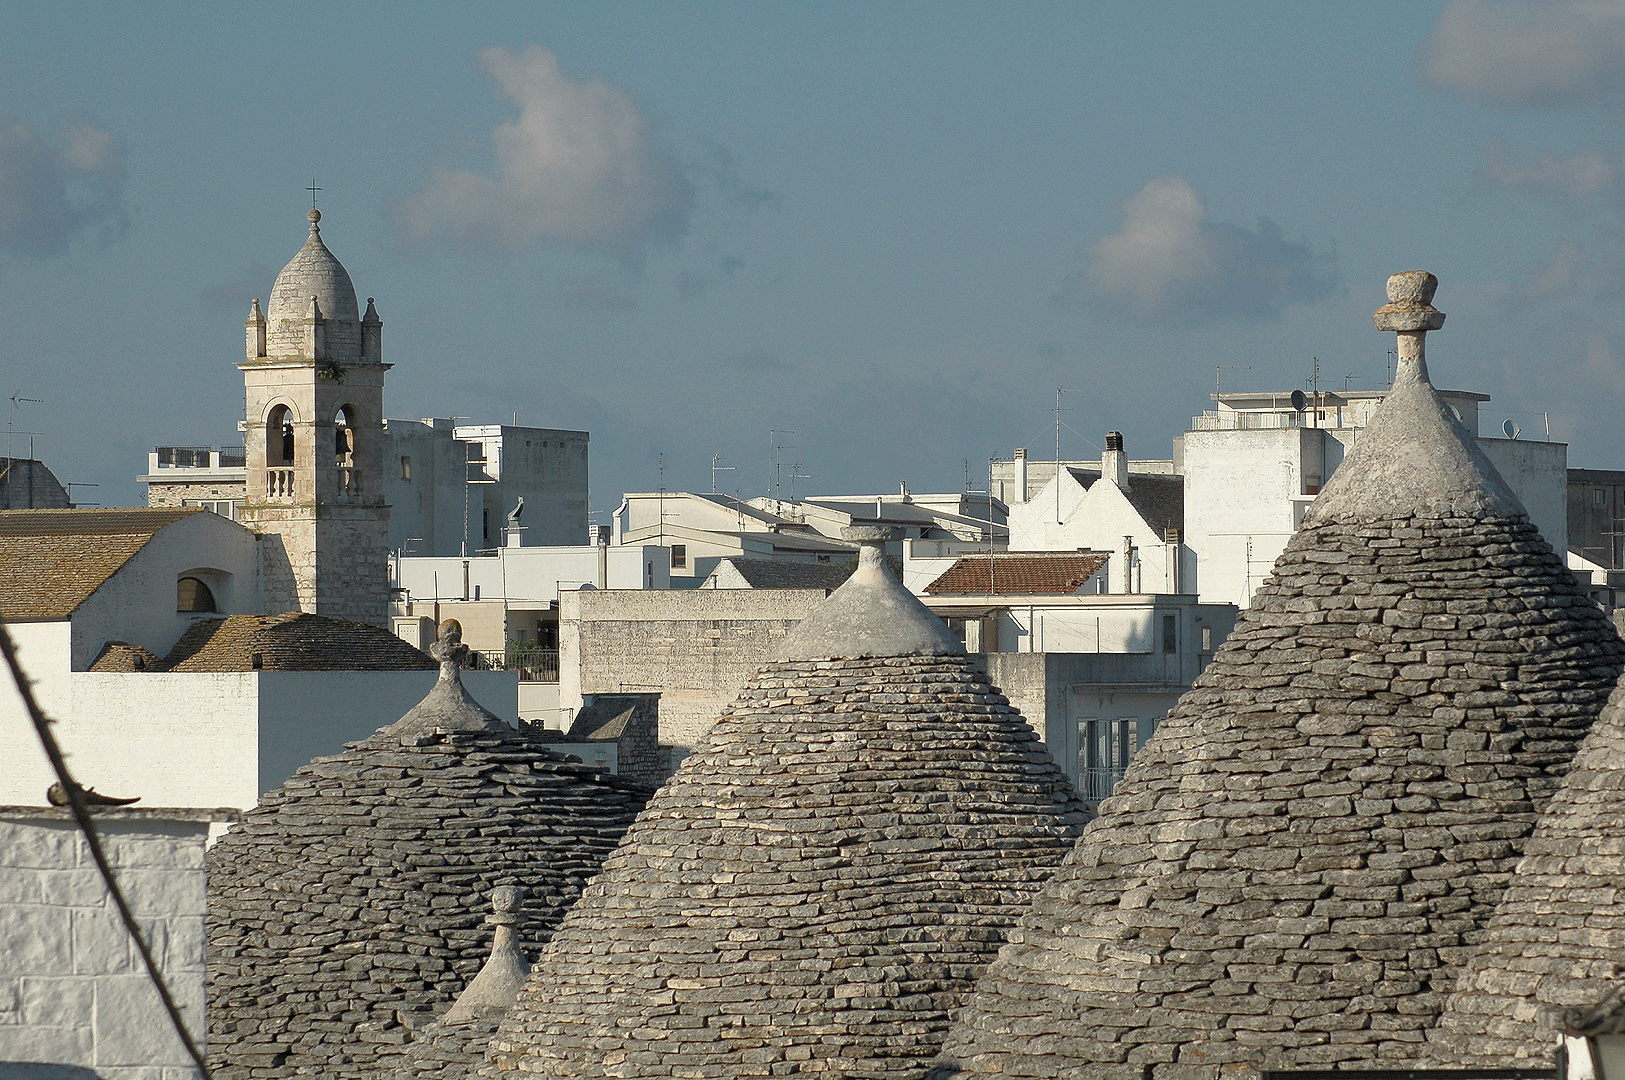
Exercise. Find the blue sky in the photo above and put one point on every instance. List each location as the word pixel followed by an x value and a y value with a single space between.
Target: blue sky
pixel 893 229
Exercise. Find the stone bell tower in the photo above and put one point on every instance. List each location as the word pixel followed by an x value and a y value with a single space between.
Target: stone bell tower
pixel 314 383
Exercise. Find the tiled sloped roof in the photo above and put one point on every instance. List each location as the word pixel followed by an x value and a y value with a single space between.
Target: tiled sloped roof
pixel 1158 497
pixel 295 641
pixel 1021 572
pixel 52 560
pixel 122 656
pixel 782 574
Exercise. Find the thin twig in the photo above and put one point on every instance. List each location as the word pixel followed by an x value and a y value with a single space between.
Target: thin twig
pixel 81 814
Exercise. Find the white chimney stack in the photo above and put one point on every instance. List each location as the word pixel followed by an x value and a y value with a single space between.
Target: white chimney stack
pixel 1019 483
pixel 1114 462
pixel 1126 577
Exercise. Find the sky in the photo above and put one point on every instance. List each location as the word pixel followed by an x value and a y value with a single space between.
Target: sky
pixel 879 236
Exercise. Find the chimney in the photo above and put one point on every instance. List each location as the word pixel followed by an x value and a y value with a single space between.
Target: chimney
pixel 1126 574
pixel 1018 483
pixel 1114 463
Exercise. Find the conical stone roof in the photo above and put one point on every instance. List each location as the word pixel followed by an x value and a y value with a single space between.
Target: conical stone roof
pixel 1557 941
pixel 818 885
pixel 353 896
pixel 1295 867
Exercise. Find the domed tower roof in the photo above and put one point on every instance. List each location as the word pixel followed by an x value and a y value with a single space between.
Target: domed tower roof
pixel 313 272
pixel 1297 863
pixel 1558 937
pixel 819 883
pixel 356 892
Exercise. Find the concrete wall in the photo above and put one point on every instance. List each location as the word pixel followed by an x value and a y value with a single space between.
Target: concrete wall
pixel 545 466
pixel 200 739
pixel 137 604
pixel 72 988
pixel 1095 519
pixel 536 573
pixel 1538 473
pixel 694 647
pixel 306 714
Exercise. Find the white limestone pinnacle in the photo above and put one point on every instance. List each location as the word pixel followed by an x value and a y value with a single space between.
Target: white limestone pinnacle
pixel 871 615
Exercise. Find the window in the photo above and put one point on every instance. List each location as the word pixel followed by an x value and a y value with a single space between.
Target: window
pixel 485 524
pixel 191 595
pixel 1207 639
pixel 344 437
pixel 1599 497
pixel 226 508
pixel 1170 633
pixel 679 556
pixel 279 437
pixel 406 467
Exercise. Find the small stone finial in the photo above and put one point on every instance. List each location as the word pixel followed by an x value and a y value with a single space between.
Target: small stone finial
pixel 1410 303
pixel 315 216
pixel 371 317
pixel 448 706
pixel 504 974
pixel 1410 313
pixel 315 312
pixel 872 614
pixel 255 315
pixel 448 648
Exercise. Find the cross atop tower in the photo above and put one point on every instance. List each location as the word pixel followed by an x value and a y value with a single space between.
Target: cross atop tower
pixel 313 189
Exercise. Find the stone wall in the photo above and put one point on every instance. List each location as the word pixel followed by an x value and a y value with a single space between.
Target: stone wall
pixel 693 647
pixel 177 494
pixel 73 989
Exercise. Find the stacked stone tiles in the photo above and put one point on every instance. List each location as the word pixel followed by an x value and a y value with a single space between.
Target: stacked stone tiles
pixel 818 886
pixel 1558 938
pixel 348 905
pixel 1296 866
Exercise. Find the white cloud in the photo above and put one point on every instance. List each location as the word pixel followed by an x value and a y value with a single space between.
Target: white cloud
pixel 50 192
pixel 1529 52
pixel 581 167
pixel 1169 263
pixel 1575 179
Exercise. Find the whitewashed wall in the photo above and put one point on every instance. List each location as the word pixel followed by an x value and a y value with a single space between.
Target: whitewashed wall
pixel 206 739
pixel 137 604
pixel 73 989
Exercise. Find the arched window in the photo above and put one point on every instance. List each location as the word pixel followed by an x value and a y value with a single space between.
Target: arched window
pixel 279 437
pixel 192 595
pixel 344 437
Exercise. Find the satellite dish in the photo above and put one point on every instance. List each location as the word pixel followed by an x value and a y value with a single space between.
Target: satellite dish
pixel 1512 430
pixel 1299 401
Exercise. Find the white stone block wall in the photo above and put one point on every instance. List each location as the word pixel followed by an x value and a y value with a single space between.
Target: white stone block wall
pixel 73 990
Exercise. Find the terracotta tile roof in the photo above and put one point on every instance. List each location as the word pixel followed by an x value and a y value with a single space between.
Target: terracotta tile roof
pixel 1019 572
pixel 52 560
pixel 295 641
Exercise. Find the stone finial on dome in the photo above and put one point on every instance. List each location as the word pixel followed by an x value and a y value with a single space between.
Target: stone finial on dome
pixel 872 614
pixel 1415 457
pixel 371 317
pixel 448 706
pixel 494 989
pixel 315 217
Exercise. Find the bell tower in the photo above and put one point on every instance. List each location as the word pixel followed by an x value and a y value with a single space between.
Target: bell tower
pixel 314 424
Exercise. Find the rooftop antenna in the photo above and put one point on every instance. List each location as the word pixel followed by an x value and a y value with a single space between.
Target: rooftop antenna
pixel 17 401
pixel 1220 369
pixel 796 474
pixel 715 468
pixel 70 485
pixel 775 453
pixel 1349 378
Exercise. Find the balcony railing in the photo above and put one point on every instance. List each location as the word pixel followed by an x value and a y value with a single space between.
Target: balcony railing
pixel 532 663
pixel 1096 782
pixel 200 457
pixel 349 483
pixel 279 484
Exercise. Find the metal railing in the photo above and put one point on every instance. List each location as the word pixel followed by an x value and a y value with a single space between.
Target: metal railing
pixel 1096 782
pixel 200 457
pixel 532 663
